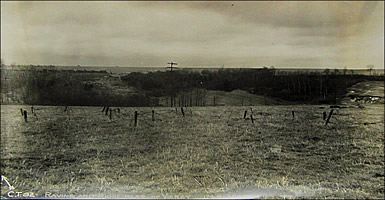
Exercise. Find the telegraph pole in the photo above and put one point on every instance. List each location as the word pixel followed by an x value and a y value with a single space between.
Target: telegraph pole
pixel 171 65
pixel 173 100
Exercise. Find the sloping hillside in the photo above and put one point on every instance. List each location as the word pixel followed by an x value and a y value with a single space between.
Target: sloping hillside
pixel 220 98
pixel 365 92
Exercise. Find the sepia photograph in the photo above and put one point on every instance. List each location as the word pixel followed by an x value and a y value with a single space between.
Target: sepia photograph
pixel 192 100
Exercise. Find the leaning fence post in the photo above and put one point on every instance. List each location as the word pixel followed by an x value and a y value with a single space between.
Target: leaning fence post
pixel 25 115
pixel 244 115
pixel 181 109
pixel 107 108
pixel 330 114
pixel 252 119
pixel 104 107
pixel 136 118
pixel 153 115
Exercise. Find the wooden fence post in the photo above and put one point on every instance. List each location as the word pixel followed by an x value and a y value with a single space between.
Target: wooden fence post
pixel 181 109
pixel 104 107
pixel 32 109
pixel 25 115
pixel 292 113
pixel 153 115
pixel 107 108
pixel 244 115
pixel 136 118
pixel 324 115
pixel 110 114
pixel 252 119
pixel 22 113
pixel 330 114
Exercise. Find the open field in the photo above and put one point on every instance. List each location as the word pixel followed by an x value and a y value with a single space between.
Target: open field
pixel 210 152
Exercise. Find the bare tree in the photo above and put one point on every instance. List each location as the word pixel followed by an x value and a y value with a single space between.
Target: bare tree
pixel 336 71
pixel 326 71
pixel 370 69
pixel 345 70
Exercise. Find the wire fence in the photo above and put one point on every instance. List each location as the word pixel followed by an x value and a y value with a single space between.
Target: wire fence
pixel 147 117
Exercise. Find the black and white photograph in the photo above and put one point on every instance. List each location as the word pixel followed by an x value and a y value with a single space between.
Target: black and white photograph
pixel 192 100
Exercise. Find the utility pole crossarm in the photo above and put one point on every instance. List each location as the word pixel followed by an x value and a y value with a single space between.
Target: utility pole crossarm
pixel 171 65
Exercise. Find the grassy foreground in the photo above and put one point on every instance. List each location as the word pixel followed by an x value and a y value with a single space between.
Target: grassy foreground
pixel 211 152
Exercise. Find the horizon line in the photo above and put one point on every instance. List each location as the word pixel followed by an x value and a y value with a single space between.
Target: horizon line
pixel 194 66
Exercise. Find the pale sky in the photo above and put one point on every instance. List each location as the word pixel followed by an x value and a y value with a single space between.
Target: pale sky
pixel 237 34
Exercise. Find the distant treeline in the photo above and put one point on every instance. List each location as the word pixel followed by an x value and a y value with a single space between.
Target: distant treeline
pixel 302 88
pixel 71 88
pixel 38 87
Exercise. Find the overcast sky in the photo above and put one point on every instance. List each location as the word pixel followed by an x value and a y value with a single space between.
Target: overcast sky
pixel 249 34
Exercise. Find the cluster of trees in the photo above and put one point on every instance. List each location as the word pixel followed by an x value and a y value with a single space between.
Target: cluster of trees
pixel 37 87
pixel 163 83
pixel 72 88
pixel 304 88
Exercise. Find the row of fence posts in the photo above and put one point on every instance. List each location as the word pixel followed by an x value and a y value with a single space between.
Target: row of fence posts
pixel 201 101
pixel 136 117
pixel 188 100
pixel 293 115
pixel 24 113
pixel 107 110
pixel 153 115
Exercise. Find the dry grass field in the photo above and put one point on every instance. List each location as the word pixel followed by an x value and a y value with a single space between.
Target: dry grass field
pixel 210 152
